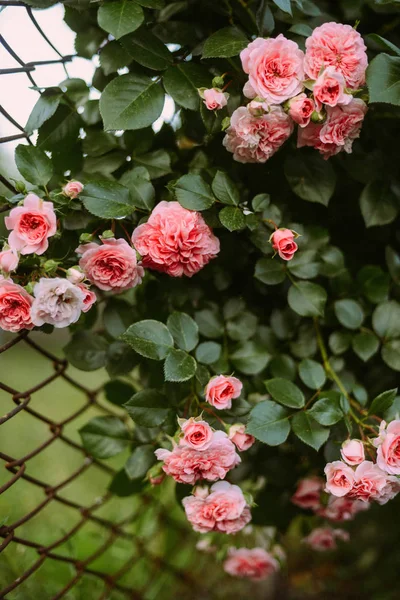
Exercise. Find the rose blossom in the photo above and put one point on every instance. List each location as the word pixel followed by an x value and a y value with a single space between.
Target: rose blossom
pixel 89 299
pixel 275 69
pixel 72 189
pixel 197 434
pixel 242 440
pixel 254 139
pixel 187 465
pixel 339 46
pixel 57 302
pixel 330 89
pixel 221 510
pixel 339 478
pixel 32 224
pixel 15 307
pixel 369 482
pixel 283 243
pixel 254 563
pixel 221 390
pixel 324 538
pixel 308 493
pixel 75 275
pixel 352 452
pixel 8 259
pixel 175 240
pixel 341 509
pixel 390 491
pixel 301 108
pixel 110 266
pixel 388 454
pixel 214 99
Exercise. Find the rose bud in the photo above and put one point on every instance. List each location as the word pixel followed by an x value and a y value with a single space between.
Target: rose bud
pixel 283 243
pixel 214 99
pixel 352 452
pixel 242 440
pixel 72 189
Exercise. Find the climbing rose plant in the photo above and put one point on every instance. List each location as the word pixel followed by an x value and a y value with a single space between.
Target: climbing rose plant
pixel 233 268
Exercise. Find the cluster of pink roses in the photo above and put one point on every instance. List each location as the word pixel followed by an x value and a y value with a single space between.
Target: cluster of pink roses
pixel 314 89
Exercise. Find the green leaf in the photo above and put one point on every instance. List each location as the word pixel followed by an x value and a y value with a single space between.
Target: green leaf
pixel 33 164
pixel 393 263
pixel 179 366
pixel 304 264
pixel 182 81
pixel 232 218
pixel 283 5
pixel 225 190
pixel 378 204
pixel 269 423
pixel 157 163
pixel 208 352
pixel 193 192
pixel 312 374
pixel 118 392
pixel 309 431
pixel 327 411
pixel 382 402
pixel 310 177
pixel 349 313
pixel 260 202
pixel 113 57
pixel 383 43
pixel 107 199
pixel 140 461
pixel 375 283
pixel 307 299
pixel 270 271
pixel 250 358
pixel 386 320
pixel 104 437
pixel 383 79
pixel 184 330
pixel 86 351
pixel 265 19
pixel 44 108
pixel 391 354
pixel 285 392
pixel 339 341
pixel 122 486
pixel 365 345
pixel 142 191
pixel 59 131
pixel 120 18
pixel 242 327
pixel 225 43
pixel 148 408
pixel 152 3
pixel 131 101
pixel 117 316
pixel 209 323
pixel 283 366
pixel 301 29
pixel 147 49
pixel 120 359
pixel 149 338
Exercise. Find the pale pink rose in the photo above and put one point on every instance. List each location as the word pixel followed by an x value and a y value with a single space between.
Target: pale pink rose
pixel 89 299
pixel 390 491
pixel 339 478
pixel 15 307
pixel 221 390
pixel 175 240
pixel 75 275
pixel 339 46
pixel 324 538
pixel 72 189
pixel 330 89
pixel 369 482
pixel 341 509
pixel 275 69
pixel 111 266
pixel 283 243
pixel 254 139
pixel 251 563
pixel 382 434
pixel 301 108
pixel 57 302
pixel 32 224
pixel 214 99
pixel 308 493
pixel 242 440
pixel 222 510
pixel 8 260
pixel 388 454
pixel 257 108
pixel 196 434
pixel 187 465
pixel 353 452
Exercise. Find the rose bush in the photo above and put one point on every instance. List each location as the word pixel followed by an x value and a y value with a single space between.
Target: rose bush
pixel 235 269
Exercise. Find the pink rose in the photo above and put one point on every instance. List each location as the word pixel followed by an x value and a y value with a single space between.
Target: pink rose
pixel 353 452
pixel 8 260
pixel 197 434
pixel 301 108
pixel 324 538
pixel 308 493
pixel 75 275
pixel 252 563
pixel 341 509
pixel 89 299
pixel 339 478
pixel 57 302
pixel 388 454
pixel 390 491
pixel 242 440
pixel 254 139
pixel 175 240
pixel 221 390
pixel 214 99
pixel 72 189
pixel 283 243
pixel 32 224
pixel 187 465
pixel 339 46
pixel 15 307
pixel 330 89
pixel 111 266
pixel 369 482
pixel 275 69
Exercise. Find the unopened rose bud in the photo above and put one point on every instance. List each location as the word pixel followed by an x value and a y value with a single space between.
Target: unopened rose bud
pixel 75 275
pixel 214 99
pixel 156 475
pixel 242 440
pixel 107 235
pixel 218 82
pixel 353 452
pixel 50 266
pixel 8 259
pixel 283 243
pixel 318 117
pixel 72 189
pixel 85 238
pixel 20 187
